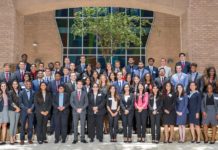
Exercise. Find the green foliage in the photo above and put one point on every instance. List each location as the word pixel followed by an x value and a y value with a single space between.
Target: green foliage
pixel 112 30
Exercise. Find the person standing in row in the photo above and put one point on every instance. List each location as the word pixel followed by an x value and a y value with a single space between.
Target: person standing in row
pixel 96 112
pixel 127 110
pixel 26 102
pixel 181 111
pixel 14 110
pixel 61 111
pixel 194 107
pixel 209 108
pixel 79 103
pixel 42 102
pixel 169 112
pixel 113 107
pixel 155 109
pixel 141 112
pixel 4 117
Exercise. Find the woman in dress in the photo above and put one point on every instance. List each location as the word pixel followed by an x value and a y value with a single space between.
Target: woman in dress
pixel 141 112
pixel 169 112
pixel 194 107
pixel 181 111
pixel 209 108
pixel 4 116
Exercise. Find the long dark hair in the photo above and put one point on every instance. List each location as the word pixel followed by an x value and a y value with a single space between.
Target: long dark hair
pixel 164 91
pixel 127 84
pixel 14 94
pixel 143 91
pixel 6 91
pixel 39 93
pixel 116 96
pixel 183 90
pixel 158 92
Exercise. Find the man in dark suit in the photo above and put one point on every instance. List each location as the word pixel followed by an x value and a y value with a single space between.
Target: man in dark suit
pixel 19 74
pixel 53 85
pixel 7 76
pixel 185 64
pixel 96 112
pixel 65 78
pixel 81 68
pixel 151 68
pixel 27 65
pixel 61 104
pixel 161 80
pixel 36 82
pixel 131 67
pixel 196 77
pixel 26 101
pixel 119 83
pixel 98 68
pixel 66 63
pixel 79 103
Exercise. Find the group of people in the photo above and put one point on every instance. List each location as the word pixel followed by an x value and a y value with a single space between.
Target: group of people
pixel 140 96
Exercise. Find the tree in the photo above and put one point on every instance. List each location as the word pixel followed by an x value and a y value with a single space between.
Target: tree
pixel 112 30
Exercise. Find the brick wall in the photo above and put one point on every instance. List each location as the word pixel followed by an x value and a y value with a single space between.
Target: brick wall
pixel 164 39
pixel 41 28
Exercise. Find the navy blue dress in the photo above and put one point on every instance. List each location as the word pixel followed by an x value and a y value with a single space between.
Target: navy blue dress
pixel 194 106
pixel 181 106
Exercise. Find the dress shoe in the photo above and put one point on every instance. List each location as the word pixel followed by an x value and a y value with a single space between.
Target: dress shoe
pixel 30 142
pixel 56 141
pixel 84 141
pixel 74 141
pixel 21 142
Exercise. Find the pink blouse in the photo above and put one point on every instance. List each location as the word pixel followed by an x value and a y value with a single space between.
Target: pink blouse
pixel 142 103
pixel 5 98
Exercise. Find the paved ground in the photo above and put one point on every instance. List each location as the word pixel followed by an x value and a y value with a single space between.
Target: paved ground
pixel 106 145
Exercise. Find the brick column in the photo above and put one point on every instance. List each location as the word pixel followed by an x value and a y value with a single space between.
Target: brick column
pixel 199 26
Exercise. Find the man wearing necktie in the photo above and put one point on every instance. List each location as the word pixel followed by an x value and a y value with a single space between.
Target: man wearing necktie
pixel 119 83
pixel 7 76
pixel 161 80
pixel 65 77
pixel 26 100
pixel 19 74
pixel 151 68
pixel 79 103
pixel 184 64
pixel 36 83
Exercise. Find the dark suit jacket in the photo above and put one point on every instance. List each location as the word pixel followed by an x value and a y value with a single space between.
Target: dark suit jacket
pixel 40 104
pixel 26 103
pixel 118 88
pixel 154 73
pixel 100 103
pixel 79 69
pixel 35 85
pixel 70 87
pixel 18 76
pixel 159 104
pixel 101 71
pixel 160 84
pixel 109 102
pixel 82 103
pixel 186 68
pixel 129 105
pixel 128 69
pixel 66 103
pixel 198 80
pixel 53 87
pixel 11 78
pixel 28 66
pixel 13 100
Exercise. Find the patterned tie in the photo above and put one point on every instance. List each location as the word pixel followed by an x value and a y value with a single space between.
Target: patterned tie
pixel 78 95
pixel 7 76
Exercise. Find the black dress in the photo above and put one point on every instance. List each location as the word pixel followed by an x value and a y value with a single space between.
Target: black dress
pixel 169 102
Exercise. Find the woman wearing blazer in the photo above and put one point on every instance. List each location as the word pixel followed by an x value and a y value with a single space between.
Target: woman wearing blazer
pixel 96 112
pixel 181 111
pixel 194 107
pixel 209 108
pixel 60 105
pixel 42 102
pixel 141 107
pixel 155 109
pixel 14 110
pixel 113 107
pixel 127 110
pixel 4 117
pixel 169 111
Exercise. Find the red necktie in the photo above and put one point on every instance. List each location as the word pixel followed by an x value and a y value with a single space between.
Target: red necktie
pixel 183 65
pixel 78 95
pixel 22 76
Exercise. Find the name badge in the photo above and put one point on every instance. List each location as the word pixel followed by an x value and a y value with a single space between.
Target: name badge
pixel 99 94
pixel 154 71
pixel 216 98
pixel 180 98
pixel 110 98
pixel 170 95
